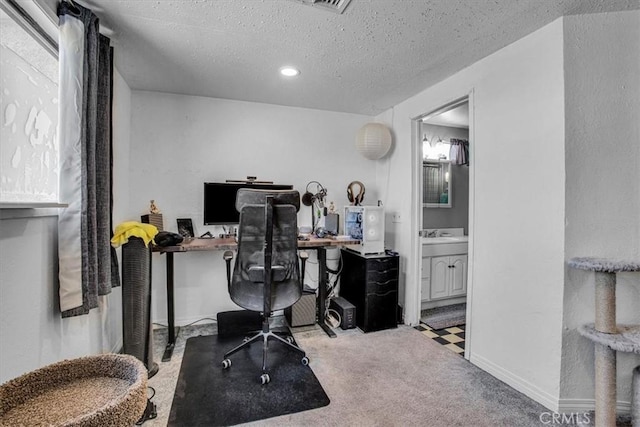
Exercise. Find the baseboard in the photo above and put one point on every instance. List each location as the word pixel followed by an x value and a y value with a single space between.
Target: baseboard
pixel 563 406
pixel 585 405
pixel 523 386
pixel 426 305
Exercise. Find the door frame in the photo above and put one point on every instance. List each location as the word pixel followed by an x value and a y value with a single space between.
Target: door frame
pixel 417 214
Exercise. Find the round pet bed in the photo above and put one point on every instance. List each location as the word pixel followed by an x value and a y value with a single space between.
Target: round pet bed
pixel 102 390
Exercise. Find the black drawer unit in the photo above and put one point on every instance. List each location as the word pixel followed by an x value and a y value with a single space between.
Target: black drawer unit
pixel 370 282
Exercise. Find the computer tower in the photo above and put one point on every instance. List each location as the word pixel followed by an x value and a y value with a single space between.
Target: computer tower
pixel 365 223
pixel 346 310
pixel 303 312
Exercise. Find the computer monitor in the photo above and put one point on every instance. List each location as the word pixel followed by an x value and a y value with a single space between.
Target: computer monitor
pixel 220 200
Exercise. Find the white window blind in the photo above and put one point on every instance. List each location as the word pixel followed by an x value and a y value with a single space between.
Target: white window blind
pixel 29 158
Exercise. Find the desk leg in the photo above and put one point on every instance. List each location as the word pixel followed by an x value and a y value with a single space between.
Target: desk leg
pixel 171 340
pixel 322 291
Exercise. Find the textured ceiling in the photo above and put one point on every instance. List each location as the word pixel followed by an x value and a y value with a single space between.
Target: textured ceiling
pixel 375 55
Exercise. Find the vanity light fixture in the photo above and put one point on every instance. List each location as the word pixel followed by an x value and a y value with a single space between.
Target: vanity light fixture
pixel 289 71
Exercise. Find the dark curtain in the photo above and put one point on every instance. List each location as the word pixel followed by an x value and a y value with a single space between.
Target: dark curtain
pixel 99 262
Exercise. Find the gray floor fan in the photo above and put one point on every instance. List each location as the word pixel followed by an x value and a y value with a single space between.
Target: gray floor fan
pixel 137 334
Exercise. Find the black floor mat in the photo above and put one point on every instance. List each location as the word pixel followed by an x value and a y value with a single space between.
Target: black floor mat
pixel 207 395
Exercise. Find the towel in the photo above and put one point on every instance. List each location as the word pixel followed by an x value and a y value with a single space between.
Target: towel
pixel 129 229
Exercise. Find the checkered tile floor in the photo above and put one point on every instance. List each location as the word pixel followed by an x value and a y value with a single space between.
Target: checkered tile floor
pixel 451 338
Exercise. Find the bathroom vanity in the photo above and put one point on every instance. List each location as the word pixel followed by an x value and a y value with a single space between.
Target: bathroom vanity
pixel 444 267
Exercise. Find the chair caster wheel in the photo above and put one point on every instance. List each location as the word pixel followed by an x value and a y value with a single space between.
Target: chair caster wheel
pixel 264 379
pixel 305 361
pixel 226 363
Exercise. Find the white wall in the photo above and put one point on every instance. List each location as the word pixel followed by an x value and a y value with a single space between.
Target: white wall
pixel 517 218
pixel 602 99
pixel 33 333
pixel 523 191
pixel 179 142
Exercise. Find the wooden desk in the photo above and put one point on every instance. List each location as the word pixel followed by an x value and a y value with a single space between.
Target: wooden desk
pixel 224 244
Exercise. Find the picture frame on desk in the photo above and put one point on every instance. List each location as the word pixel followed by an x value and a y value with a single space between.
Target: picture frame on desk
pixel 185 227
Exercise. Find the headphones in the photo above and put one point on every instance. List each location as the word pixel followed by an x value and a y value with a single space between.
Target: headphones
pixel 308 198
pixel 355 199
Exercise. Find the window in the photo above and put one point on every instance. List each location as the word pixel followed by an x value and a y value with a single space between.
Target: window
pixel 29 160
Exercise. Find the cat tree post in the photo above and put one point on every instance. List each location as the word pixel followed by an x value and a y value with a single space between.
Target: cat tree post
pixel 606 302
pixel 606 334
pixel 605 357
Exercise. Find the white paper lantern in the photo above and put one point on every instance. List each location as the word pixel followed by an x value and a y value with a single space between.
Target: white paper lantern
pixel 373 141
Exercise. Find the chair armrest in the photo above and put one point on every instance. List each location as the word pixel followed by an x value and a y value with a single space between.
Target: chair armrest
pixel 228 256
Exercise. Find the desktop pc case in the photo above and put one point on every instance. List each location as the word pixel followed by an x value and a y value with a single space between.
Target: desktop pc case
pixel 365 223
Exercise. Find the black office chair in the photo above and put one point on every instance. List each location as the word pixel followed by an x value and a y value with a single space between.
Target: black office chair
pixel 266 276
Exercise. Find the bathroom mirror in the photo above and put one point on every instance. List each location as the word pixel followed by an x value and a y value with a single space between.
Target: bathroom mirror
pixel 436 186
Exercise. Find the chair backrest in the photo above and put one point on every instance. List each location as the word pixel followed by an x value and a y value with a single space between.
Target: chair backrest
pixel 268 220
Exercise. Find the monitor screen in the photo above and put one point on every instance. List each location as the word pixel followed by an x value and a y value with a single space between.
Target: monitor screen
pixel 220 200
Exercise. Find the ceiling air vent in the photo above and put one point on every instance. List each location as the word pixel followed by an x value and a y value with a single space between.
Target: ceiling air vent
pixel 337 6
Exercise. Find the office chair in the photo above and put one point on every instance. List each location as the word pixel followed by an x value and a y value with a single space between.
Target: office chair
pixel 266 275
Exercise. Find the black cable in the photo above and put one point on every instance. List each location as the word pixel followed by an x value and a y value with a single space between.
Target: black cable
pixel 189 324
pixel 151 410
pixel 200 320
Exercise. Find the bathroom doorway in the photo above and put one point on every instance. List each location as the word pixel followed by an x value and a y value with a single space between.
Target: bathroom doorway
pixel 443 188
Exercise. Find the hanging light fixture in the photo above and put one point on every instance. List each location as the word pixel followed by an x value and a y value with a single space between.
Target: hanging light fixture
pixel 373 141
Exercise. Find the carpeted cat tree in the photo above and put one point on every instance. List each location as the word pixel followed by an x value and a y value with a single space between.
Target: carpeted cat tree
pixel 102 390
pixel 610 338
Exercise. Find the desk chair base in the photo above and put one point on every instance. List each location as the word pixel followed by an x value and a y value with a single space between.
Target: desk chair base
pixel 265 334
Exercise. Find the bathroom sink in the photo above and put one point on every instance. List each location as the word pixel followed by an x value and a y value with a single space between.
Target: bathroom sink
pixel 444 239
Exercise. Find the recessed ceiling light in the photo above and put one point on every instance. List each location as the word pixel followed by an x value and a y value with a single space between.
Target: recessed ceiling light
pixel 289 71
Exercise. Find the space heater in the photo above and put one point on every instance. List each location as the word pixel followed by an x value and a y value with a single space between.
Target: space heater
pixel 365 223
pixel 137 329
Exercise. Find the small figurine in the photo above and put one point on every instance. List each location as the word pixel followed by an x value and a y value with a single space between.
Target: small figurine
pixel 153 208
pixel 332 207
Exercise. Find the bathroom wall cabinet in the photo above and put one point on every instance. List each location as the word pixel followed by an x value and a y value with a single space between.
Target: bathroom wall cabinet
pixel 436 186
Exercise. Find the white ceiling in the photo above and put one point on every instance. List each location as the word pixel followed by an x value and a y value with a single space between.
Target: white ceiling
pixel 375 55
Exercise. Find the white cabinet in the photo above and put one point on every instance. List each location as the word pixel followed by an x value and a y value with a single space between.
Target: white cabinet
pixel 444 268
pixel 425 281
pixel 440 278
pixel 448 276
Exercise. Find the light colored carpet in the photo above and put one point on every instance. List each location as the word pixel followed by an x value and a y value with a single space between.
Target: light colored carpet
pixel 396 377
